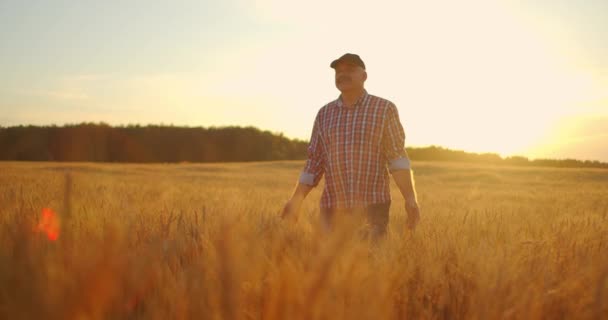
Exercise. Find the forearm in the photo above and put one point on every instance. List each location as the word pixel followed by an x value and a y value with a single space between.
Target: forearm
pixel 300 192
pixel 405 181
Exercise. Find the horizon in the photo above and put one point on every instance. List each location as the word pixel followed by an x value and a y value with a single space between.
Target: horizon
pixel 294 139
pixel 512 79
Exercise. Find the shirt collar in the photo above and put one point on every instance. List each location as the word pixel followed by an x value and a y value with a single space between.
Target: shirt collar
pixel 359 101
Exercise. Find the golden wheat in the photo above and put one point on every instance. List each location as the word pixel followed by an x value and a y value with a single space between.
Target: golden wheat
pixel 204 241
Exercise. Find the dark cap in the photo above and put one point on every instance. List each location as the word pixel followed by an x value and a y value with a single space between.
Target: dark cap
pixel 349 58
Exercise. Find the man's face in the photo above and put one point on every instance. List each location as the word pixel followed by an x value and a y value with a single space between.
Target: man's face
pixel 349 77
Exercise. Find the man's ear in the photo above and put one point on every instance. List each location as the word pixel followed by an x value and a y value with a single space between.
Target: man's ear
pixel 364 75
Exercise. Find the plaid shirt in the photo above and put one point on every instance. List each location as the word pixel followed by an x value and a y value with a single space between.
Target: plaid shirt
pixel 352 147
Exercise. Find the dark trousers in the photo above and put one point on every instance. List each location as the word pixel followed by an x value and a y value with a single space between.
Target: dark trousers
pixel 376 216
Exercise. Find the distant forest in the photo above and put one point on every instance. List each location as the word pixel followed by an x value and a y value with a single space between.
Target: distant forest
pixel 93 142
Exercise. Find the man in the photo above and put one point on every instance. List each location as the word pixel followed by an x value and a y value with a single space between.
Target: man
pixel 354 139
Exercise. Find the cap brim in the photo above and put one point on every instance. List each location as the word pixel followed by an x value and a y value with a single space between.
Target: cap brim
pixel 337 61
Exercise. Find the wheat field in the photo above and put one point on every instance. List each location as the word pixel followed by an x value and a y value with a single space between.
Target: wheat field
pixel 204 241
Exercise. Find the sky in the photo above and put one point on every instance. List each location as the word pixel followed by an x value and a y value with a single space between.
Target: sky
pixel 511 77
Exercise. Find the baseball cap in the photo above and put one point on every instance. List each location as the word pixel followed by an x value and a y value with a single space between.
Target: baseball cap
pixel 348 58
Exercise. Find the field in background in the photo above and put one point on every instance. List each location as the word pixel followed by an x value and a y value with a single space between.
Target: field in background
pixel 204 241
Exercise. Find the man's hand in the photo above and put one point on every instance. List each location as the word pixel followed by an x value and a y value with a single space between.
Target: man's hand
pixel 291 209
pixel 405 182
pixel 413 214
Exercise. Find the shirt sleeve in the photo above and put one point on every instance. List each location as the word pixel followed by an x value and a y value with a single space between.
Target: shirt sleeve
pixel 315 164
pixel 393 141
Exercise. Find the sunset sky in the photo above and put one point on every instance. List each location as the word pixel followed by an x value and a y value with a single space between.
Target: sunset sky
pixel 511 77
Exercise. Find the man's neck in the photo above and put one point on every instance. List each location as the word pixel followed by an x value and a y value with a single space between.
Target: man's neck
pixel 349 98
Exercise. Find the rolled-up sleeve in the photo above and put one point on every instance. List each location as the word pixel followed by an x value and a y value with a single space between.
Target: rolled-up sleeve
pixel 393 141
pixel 315 165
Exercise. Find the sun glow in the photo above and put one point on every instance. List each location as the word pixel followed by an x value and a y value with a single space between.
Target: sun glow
pixel 470 75
pixel 482 76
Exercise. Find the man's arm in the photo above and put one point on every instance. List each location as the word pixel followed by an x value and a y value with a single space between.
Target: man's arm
pixel 292 207
pixel 405 181
pixel 399 163
pixel 311 174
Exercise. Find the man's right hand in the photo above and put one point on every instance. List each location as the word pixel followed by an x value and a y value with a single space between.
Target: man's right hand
pixel 292 207
pixel 291 210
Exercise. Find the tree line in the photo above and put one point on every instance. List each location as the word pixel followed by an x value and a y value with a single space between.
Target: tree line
pixel 99 142
pixel 435 153
pixel 153 143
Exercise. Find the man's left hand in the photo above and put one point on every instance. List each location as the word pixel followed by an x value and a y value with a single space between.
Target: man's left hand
pixel 413 214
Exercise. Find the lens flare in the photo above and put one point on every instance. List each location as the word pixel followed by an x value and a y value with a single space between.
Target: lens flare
pixel 49 224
